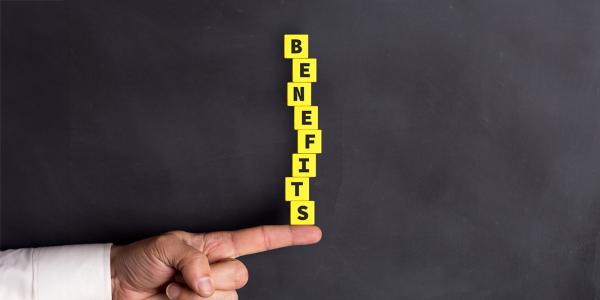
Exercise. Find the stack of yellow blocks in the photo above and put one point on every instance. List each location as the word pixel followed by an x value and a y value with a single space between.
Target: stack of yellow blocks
pixel 306 123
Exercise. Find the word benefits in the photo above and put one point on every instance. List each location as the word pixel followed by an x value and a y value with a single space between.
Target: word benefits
pixel 306 123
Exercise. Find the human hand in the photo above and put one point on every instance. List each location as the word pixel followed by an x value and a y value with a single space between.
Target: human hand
pixel 180 265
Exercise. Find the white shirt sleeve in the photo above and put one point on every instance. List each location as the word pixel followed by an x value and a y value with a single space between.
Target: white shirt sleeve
pixel 80 272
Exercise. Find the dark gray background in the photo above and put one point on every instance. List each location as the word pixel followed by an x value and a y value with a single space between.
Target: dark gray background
pixel 461 138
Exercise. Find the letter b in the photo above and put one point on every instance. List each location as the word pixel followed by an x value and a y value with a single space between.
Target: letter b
pixel 295 46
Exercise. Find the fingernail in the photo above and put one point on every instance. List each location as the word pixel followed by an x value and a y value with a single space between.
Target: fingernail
pixel 205 286
pixel 173 291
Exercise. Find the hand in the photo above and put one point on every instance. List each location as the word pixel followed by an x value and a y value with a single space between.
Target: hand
pixel 180 265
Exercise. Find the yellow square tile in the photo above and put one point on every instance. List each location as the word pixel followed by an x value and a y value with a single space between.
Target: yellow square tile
pixel 306 117
pixel 299 93
pixel 295 45
pixel 309 141
pixel 304 165
pixel 304 70
pixel 296 188
pixel 302 212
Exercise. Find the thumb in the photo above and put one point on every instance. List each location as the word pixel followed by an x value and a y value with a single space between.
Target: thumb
pixel 192 263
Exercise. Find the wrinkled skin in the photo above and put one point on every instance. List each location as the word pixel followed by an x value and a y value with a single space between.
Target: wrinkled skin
pixel 181 265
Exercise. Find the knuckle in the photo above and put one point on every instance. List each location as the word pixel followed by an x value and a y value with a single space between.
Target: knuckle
pixel 198 256
pixel 195 261
pixel 159 246
pixel 266 238
pixel 217 238
pixel 220 242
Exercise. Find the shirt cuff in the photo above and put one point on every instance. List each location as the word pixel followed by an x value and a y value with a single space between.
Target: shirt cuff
pixel 72 272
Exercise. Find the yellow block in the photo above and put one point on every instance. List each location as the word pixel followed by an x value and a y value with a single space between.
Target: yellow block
pixel 296 189
pixel 304 165
pixel 302 212
pixel 295 45
pixel 299 93
pixel 306 117
pixel 304 70
pixel 309 141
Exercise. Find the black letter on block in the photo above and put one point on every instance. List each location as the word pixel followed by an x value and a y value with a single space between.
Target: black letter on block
pixel 297 188
pixel 303 169
pixel 304 70
pixel 310 140
pixel 302 211
pixel 296 46
pixel 306 117
pixel 299 93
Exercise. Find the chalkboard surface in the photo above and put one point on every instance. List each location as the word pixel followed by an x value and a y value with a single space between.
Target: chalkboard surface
pixel 461 139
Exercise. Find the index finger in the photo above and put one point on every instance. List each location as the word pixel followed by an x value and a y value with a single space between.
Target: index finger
pixel 247 241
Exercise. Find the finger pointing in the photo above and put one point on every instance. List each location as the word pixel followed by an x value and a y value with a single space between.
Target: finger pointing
pixel 231 244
